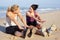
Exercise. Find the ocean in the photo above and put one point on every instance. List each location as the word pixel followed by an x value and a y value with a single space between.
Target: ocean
pixel 25 9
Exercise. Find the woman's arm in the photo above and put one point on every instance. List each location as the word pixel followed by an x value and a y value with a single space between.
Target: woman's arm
pixel 28 14
pixel 40 20
pixel 38 16
pixel 22 19
pixel 15 21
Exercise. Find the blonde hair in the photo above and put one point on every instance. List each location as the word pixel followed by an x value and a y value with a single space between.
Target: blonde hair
pixel 9 8
pixel 14 8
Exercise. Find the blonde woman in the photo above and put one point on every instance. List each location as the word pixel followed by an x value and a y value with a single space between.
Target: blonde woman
pixel 13 26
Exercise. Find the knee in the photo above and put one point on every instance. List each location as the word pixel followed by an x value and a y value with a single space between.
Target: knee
pixel 39 26
pixel 30 27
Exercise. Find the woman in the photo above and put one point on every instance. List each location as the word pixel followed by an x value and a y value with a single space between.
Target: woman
pixel 32 17
pixel 13 26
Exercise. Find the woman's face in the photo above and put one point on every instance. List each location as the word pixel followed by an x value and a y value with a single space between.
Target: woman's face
pixel 31 9
pixel 17 11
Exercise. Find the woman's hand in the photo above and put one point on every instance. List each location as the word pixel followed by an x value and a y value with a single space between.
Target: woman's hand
pixel 42 21
pixel 21 27
pixel 26 26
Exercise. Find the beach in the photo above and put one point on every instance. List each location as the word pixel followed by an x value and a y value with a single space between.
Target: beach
pixel 52 17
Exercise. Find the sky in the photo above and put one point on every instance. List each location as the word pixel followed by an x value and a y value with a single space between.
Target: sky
pixel 27 3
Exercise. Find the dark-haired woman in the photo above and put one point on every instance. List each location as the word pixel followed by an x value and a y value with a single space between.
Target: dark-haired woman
pixel 33 18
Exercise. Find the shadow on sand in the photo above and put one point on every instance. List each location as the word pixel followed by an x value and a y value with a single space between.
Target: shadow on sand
pixel 2 28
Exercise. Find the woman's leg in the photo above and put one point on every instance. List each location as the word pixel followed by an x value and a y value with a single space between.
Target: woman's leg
pixel 24 32
pixel 30 33
pixel 39 26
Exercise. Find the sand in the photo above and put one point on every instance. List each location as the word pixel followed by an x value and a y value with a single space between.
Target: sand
pixel 52 17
